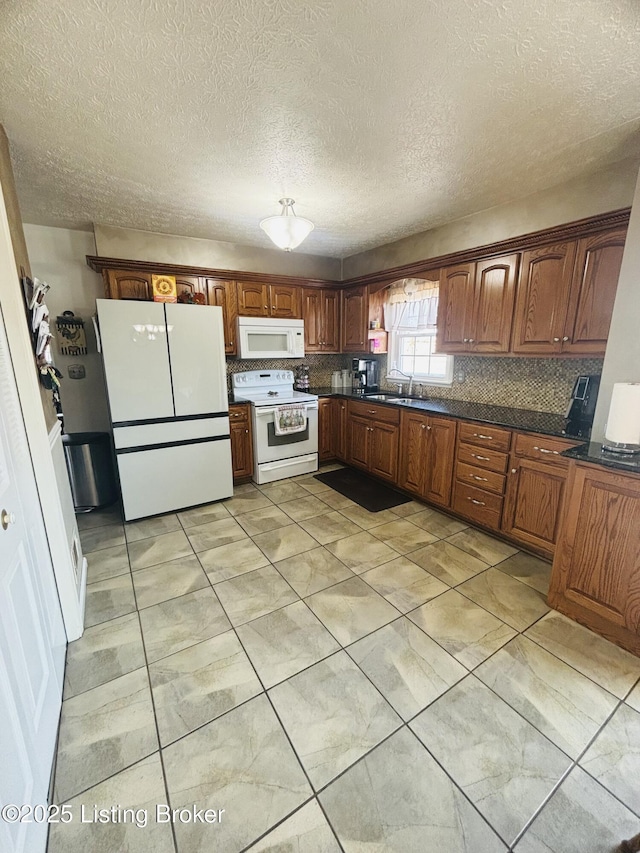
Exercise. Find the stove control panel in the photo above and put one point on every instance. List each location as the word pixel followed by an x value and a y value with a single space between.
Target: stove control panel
pixel 262 379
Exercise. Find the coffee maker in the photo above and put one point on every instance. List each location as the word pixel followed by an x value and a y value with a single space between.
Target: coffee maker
pixel 582 406
pixel 365 375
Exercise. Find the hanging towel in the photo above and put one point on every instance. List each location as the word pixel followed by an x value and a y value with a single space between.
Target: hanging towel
pixel 288 419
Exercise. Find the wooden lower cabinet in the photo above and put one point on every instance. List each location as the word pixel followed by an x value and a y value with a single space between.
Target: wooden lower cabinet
pixel 482 457
pixel 427 446
pixel 340 415
pixel 358 430
pixel 596 571
pixel 373 439
pixel 326 430
pixel 241 441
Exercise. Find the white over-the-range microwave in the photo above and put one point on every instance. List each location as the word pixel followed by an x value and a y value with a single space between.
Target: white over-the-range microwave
pixel 268 337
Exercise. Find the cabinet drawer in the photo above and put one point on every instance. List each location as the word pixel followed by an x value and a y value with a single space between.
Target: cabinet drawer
pixel 485 435
pixel 544 448
pixel 477 505
pixel 480 477
pixel 492 460
pixel 238 413
pixel 372 412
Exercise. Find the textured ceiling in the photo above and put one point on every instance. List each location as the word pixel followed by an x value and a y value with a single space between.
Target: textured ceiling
pixel 380 118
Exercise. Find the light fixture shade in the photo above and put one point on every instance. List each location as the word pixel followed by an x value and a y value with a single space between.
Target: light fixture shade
pixel 287 230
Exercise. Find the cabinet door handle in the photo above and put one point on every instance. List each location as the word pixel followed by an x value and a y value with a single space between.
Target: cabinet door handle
pixel 265 307
pixel 480 435
pixel 371 411
pixel 471 340
pixel 544 450
pixel 247 431
pixel 273 307
pixel 479 479
pixel 230 343
pixel 556 340
pixel 477 503
pixel 566 338
pixel 481 458
pixel 423 426
pixel 514 470
pixel 465 340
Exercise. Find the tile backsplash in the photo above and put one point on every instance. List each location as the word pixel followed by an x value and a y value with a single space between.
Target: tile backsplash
pixel 538 384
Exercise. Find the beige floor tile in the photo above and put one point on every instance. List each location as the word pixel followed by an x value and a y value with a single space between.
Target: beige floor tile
pixel 215 533
pixel 335 500
pixel 284 542
pixel 634 698
pixel 407 667
pixel 174 625
pixel 283 491
pixel 530 570
pixel 465 630
pixel 609 666
pixel 580 816
pixel 262 520
pixel 404 584
pixel 365 519
pixel 361 552
pixel 306 831
pixel 107 563
pixel 614 757
pixel 108 599
pixel 168 580
pixel 501 762
pixel 510 600
pixel 99 517
pixel 403 536
pixel 102 731
pixel 330 527
pixel 97 538
pixel 306 507
pixel 235 558
pixel 315 487
pixel 200 683
pixel 203 515
pixel 254 594
pixel 140 788
pixel 246 502
pixel 241 762
pixel 410 508
pixel 103 653
pixel 448 563
pixel 158 549
pixel 155 526
pixel 312 571
pixel 560 702
pixel 351 609
pixel 333 715
pixel 390 787
pixel 438 523
pixel 482 546
pixel 285 642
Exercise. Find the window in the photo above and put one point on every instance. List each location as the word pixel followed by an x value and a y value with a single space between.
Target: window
pixel 413 353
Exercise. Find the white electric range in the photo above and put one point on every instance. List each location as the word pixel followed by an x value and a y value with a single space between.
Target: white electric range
pixel 277 456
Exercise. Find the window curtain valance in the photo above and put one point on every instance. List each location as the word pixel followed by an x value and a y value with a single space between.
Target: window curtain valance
pixel 411 306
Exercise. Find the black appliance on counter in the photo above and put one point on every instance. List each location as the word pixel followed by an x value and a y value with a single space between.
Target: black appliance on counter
pixel 582 406
pixel 365 375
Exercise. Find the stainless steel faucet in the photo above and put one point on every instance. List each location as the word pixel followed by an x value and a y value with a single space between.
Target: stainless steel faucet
pixel 400 384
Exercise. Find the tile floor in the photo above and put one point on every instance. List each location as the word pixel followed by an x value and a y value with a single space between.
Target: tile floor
pixel 337 680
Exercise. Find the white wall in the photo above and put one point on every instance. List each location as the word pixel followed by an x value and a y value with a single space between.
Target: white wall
pixel 622 357
pixel 57 256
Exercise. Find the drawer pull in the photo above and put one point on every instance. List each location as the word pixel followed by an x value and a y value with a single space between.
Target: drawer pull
pixel 423 426
pixel 479 479
pixel 481 458
pixel 371 411
pixel 544 450
pixel 477 503
pixel 480 435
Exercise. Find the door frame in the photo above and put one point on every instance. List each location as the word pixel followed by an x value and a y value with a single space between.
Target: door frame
pixel 71 593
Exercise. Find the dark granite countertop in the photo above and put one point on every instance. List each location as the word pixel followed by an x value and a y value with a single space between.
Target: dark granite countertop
pixel 545 423
pixel 594 453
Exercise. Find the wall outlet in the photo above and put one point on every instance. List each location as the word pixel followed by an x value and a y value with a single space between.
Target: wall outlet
pixel 460 376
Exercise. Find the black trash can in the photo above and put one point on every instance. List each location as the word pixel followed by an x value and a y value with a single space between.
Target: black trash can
pixel 90 467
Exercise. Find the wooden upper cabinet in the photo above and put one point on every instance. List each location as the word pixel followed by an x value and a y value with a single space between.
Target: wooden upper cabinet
pixel 253 299
pixel 355 314
pixel 284 301
pixel 123 284
pixel 256 299
pixel 320 312
pixel 190 284
pixel 593 292
pixel 494 295
pixel 455 308
pixel 224 294
pixel 542 299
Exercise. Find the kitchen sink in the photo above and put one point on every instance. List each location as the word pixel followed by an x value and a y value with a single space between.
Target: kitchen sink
pixel 389 398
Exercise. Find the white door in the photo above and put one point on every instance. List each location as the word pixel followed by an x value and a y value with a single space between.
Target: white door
pixel 198 367
pixel 32 638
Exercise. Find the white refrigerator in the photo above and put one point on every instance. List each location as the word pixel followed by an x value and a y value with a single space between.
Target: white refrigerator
pixel 167 387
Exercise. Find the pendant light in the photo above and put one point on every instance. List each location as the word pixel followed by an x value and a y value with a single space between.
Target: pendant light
pixel 287 230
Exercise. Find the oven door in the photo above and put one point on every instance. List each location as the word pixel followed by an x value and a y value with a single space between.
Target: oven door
pixel 269 447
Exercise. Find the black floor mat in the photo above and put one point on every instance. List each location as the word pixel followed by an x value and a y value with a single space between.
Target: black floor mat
pixel 365 491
